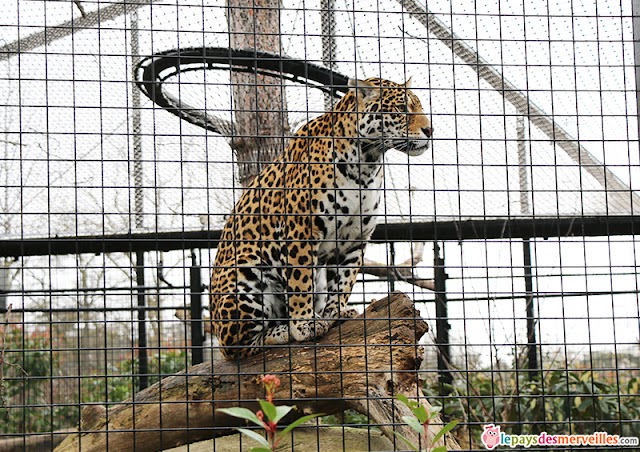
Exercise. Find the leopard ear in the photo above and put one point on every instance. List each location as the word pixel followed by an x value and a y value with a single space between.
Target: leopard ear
pixel 407 84
pixel 363 90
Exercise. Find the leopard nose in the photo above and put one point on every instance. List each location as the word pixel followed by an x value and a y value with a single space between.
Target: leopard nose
pixel 428 131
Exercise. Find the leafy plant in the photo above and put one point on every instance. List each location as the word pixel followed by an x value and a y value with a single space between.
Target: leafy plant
pixel 562 402
pixel 267 418
pixel 26 366
pixel 349 417
pixel 420 422
pixel 120 384
pixel 33 399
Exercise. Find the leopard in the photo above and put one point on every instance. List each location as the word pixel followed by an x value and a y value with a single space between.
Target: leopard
pixel 291 249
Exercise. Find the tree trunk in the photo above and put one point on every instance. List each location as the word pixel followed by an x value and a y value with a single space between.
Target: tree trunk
pixel 260 107
pixel 360 364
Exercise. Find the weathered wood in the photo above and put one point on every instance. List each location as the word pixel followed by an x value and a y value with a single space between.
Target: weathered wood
pixel 303 439
pixel 360 364
pixel 34 441
pixel 259 102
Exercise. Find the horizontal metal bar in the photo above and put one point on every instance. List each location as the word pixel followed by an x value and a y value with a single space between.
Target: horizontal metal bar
pixel 116 243
pixel 510 228
pixel 475 229
pixel 467 299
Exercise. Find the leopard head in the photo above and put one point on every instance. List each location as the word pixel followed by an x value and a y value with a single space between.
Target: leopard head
pixel 390 116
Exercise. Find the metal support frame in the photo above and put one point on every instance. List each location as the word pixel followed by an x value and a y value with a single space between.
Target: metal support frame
pixel 635 11
pixel 532 342
pixel 619 193
pixel 143 359
pixel 197 289
pixel 391 276
pixel 136 124
pixel 329 46
pixel 476 229
pixel 525 208
pixel 4 287
pixel 50 34
pixel 442 317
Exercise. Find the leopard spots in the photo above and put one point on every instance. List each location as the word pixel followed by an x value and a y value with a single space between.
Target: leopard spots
pixel 291 250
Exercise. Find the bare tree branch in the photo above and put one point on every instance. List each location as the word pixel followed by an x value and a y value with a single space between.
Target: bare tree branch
pixel 184 315
pixel 14 143
pixel 4 329
pixel 401 272
pixel 80 7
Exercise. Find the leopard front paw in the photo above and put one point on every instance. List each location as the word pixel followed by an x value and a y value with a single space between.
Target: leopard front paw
pixel 308 329
pixel 343 314
pixel 349 313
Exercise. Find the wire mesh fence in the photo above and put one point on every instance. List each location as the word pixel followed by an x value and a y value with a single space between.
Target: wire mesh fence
pixel 132 129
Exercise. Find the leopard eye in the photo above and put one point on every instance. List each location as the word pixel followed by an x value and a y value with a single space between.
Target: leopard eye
pixel 402 108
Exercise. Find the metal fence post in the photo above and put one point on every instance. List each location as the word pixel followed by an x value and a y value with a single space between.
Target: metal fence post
pixel 442 317
pixel 197 336
pixel 525 209
pixel 4 287
pixel 635 12
pixel 143 360
pixel 532 355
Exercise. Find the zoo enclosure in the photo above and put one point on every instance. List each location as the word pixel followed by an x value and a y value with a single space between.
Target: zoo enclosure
pixel 486 183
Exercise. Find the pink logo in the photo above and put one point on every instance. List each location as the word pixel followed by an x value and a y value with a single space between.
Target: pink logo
pixel 491 436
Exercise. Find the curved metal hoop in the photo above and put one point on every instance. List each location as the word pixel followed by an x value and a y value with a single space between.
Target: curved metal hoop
pixel 153 71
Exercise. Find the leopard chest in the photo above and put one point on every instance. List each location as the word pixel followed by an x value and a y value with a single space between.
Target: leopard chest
pixel 347 215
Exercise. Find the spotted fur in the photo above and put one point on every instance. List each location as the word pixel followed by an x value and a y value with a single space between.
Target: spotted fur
pixel 291 250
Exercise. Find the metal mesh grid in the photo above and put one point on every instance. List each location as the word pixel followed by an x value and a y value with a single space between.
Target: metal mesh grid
pixel 534 109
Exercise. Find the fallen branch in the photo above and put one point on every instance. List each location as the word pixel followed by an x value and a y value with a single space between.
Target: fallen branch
pixel 402 272
pixel 360 364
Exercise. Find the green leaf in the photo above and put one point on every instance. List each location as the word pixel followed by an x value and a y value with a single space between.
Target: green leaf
pixel 433 411
pixel 602 404
pixel 297 422
pixel 261 449
pixel 413 448
pixel 444 430
pixel 439 449
pixel 414 423
pixel 585 376
pixel 403 398
pixel 255 436
pixel 269 410
pixel 281 411
pixel 421 413
pixel 585 405
pixel 411 404
pixel 242 413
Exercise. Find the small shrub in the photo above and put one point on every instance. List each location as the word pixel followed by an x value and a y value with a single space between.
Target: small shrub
pixel 564 402
pixel 420 421
pixel 267 418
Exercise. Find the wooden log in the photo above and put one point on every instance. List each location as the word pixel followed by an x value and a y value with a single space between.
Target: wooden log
pixel 304 438
pixel 361 364
pixel 34 441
